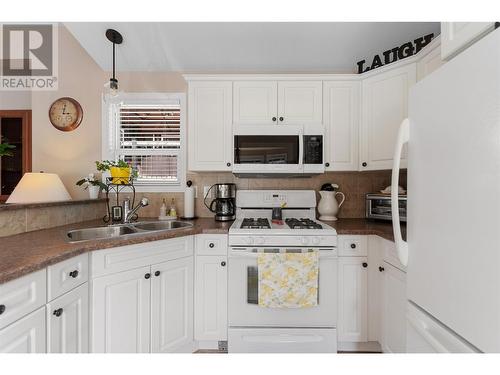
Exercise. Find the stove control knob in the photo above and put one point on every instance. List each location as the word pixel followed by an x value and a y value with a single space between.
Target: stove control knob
pixel 259 240
pixel 304 240
pixel 249 240
pixel 316 240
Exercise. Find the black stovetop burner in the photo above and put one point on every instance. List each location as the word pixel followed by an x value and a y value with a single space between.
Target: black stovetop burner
pixel 302 224
pixel 259 223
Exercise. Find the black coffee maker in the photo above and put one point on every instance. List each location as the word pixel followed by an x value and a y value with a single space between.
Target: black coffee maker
pixel 223 204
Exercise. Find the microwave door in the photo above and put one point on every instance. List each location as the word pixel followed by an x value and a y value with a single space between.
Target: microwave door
pixel 267 153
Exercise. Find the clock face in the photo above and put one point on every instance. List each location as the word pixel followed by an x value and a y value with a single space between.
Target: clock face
pixel 65 114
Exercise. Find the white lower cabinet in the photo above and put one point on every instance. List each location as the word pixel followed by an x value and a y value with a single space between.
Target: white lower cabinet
pixel 121 312
pixel 393 310
pixel 172 306
pixel 26 335
pixel 67 322
pixel 372 296
pixel 145 309
pixel 211 298
pixel 352 323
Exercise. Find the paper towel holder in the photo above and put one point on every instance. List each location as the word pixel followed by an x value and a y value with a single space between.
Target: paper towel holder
pixel 188 183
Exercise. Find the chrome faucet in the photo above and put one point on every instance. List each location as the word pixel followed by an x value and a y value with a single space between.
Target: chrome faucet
pixel 128 213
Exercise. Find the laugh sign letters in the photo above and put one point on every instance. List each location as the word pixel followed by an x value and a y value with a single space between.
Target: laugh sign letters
pixel 395 54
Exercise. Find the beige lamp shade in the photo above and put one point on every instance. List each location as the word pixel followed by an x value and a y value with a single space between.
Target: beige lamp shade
pixel 39 188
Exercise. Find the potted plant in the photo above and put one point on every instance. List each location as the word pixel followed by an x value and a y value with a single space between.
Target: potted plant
pixel 5 149
pixel 120 171
pixel 93 184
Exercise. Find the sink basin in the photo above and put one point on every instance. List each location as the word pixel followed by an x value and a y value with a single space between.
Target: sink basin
pixel 99 233
pixel 161 225
pixel 113 231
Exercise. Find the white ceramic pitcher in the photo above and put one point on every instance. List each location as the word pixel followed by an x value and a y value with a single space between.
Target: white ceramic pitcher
pixel 328 206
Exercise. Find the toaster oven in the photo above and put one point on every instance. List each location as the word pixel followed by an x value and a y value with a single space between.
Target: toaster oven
pixel 378 206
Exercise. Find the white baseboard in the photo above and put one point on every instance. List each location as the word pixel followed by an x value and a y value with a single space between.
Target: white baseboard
pixel 369 346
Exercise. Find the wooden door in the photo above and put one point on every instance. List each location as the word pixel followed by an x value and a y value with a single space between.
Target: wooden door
pixel 15 129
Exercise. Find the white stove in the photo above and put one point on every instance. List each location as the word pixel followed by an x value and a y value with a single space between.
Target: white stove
pixel 298 227
pixel 254 328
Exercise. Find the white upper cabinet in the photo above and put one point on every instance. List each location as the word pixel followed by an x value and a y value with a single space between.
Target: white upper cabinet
pixel 271 102
pixel 430 61
pixel 457 36
pixel 172 306
pixel 210 126
pixel 385 106
pixel 255 102
pixel 299 102
pixel 341 107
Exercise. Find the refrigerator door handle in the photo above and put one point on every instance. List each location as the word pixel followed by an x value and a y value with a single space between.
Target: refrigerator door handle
pixel 401 245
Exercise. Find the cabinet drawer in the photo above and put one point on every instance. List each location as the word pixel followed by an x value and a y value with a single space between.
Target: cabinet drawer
pixel 22 296
pixel 353 246
pixel 123 258
pixel 390 254
pixel 211 244
pixel 66 275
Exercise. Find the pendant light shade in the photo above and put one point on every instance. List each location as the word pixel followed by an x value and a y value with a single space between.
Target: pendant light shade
pixel 39 188
pixel 116 38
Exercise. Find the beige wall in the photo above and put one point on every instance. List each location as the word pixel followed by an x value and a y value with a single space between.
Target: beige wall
pixel 72 154
pixel 69 154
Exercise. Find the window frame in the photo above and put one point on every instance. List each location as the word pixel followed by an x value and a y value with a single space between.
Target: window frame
pixel 110 134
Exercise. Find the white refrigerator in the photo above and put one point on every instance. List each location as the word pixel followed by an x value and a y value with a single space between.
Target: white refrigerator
pixel 453 225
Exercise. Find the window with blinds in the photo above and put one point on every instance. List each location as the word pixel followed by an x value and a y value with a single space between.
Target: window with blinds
pixel 149 137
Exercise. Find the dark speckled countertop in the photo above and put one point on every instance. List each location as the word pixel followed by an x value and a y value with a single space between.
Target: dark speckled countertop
pixel 24 253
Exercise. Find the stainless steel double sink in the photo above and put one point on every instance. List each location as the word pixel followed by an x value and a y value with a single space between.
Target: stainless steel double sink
pixel 120 230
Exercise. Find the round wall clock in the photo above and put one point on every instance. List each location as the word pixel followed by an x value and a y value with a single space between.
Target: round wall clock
pixel 65 114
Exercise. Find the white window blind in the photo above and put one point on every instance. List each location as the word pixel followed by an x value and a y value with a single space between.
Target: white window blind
pixel 148 135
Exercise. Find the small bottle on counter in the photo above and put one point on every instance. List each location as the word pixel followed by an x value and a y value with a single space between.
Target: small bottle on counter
pixel 173 210
pixel 163 208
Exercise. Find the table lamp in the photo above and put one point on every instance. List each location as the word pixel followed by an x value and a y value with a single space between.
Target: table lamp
pixel 39 188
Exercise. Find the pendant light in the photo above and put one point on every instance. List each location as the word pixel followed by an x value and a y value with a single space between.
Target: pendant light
pixel 116 38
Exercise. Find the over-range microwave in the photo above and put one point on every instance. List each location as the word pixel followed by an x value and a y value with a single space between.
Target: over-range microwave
pixel 278 150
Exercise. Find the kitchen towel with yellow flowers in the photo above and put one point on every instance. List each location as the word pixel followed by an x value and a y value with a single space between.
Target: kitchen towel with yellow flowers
pixel 288 280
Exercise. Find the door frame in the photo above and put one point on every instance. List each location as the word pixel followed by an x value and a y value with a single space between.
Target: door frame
pixel 25 115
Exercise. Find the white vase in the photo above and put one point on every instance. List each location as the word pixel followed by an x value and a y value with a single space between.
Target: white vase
pixel 94 192
pixel 328 206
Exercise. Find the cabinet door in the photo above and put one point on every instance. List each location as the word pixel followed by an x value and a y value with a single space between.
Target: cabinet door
pixel 68 322
pixel 456 36
pixel 255 102
pixel 210 315
pixel 341 107
pixel 299 102
pixel 353 297
pixel 121 312
pixel 210 126
pixel 172 306
pixel 429 63
pixel 394 310
pixel 385 106
pixel 26 335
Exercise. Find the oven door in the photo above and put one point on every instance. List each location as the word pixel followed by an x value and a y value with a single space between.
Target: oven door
pixel 277 149
pixel 243 310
